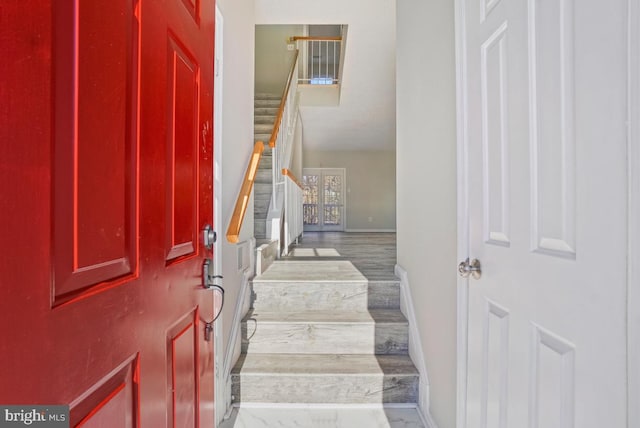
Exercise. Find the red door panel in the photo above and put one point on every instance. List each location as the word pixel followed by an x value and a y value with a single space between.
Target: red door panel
pixel 182 151
pixel 193 6
pixel 105 185
pixel 95 145
pixel 114 402
pixel 183 364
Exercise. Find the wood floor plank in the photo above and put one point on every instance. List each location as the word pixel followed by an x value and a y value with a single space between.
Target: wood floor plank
pixel 373 254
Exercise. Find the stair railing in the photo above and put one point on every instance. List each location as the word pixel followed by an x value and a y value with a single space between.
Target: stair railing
pixel 320 59
pixel 293 222
pixel 233 231
pixel 283 129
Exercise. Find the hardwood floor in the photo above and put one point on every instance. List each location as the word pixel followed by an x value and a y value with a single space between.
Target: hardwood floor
pixel 373 254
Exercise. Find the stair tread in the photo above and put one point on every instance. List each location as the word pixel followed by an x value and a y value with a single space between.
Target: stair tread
pixel 265 117
pixel 311 271
pixel 372 316
pixel 324 364
pixel 267 103
pixel 267 95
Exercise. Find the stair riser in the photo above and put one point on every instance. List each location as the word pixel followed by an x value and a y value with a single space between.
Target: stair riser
pixel 265 111
pixel 262 190
pixel 262 137
pixel 324 338
pixel 260 208
pixel 384 295
pixel 266 162
pixel 264 175
pixel 267 96
pixel 352 389
pixel 259 229
pixel 262 128
pixel 350 296
pixel 265 119
pixel 267 103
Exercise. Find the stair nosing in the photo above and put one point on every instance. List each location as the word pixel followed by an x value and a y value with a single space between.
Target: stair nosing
pixel 328 373
pixel 324 317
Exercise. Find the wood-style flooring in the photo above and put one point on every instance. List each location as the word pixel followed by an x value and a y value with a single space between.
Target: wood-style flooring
pixel 373 254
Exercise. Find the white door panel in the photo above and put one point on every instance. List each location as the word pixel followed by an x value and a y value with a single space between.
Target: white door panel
pixel 545 110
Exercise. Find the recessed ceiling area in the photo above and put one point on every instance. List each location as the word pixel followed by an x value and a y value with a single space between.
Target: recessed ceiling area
pixel 365 117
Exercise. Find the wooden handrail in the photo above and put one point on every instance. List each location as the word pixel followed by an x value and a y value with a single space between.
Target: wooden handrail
pixel 285 94
pixel 233 231
pixel 289 174
pixel 320 38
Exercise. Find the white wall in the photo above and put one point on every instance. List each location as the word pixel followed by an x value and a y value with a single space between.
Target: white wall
pixel 273 59
pixel 426 186
pixel 237 138
pixel 371 185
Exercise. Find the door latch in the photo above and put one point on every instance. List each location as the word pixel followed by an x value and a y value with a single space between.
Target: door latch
pixel 208 329
pixel 472 268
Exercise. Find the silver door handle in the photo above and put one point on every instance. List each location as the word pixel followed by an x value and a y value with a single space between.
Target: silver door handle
pixel 472 268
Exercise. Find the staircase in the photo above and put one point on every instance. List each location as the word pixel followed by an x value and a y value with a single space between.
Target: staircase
pixel 320 332
pixel 265 112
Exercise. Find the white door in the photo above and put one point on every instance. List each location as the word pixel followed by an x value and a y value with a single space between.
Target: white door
pixel 543 90
pixel 323 199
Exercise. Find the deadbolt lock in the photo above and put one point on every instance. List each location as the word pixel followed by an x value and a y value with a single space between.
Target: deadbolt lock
pixel 209 236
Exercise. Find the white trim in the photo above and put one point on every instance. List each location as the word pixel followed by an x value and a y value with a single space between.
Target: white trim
pixel 238 314
pixel 463 215
pixel 219 401
pixel 633 251
pixel 427 420
pixel 415 345
pixel 232 342
pixel 370 230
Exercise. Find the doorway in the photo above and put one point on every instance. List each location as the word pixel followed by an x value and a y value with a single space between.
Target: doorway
pixel 323 199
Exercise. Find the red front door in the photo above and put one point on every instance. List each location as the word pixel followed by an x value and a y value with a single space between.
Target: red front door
pixel 105 187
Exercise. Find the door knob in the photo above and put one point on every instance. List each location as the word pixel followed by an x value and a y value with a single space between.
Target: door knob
pixel 472 268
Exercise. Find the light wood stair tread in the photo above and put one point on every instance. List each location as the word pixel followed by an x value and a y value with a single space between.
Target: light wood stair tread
pixel 311 271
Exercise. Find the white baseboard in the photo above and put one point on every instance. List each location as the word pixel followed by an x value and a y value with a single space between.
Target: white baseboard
pixel 427 420
pixel 415 346
pixel 370 230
